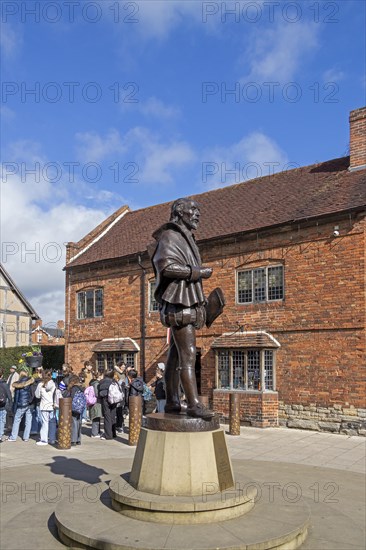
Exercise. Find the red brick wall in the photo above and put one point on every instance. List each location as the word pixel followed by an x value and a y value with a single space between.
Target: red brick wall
pixel 320 324
pixel 258 409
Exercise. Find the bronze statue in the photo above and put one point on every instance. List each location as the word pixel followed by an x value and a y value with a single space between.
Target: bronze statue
pixel 182 304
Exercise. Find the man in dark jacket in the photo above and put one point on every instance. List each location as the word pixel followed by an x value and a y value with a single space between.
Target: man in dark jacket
pixel 179 273
pixel 5 404
pixel 108 410
pixel 22 398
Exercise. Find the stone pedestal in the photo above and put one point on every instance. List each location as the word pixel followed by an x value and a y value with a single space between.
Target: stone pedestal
pixel 181 476
pixel 180 463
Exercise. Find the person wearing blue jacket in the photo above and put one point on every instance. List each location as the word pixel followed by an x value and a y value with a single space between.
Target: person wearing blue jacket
pixel 23 396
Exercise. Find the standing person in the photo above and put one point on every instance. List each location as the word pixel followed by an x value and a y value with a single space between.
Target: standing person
pixel 159 388
pixel 87 373
pixel 109 410
pixel 13 377
pixel 45 392
pixel 22 397
pixel 179 273
pixel 67 372
pixel 35 404
pixel 5 404
pixel 95 411
pixel 73 388
pixel 120 376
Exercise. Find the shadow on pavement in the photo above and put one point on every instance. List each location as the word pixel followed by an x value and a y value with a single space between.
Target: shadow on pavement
pixel 74 468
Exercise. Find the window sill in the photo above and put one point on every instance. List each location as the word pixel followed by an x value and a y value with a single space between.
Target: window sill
pixel 224 390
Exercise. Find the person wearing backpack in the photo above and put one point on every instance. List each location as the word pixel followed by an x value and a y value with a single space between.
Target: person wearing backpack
pixel 23 396
pixel 5 404
pixel 95 408
pixel 35 403
pixel 108 409
pixel 75 391
pixel 45 392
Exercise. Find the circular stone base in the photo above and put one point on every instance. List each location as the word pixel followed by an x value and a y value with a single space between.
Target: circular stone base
pixel 211 506
pixel 167 422
pixel 92 523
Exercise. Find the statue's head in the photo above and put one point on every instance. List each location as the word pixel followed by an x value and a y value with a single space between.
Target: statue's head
pixel 185 212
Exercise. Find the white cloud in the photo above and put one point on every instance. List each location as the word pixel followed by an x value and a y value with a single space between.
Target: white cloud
pixel 94 148
pixel 276 54
pixel 11 39
pixel 333 75
pixel 253 156
pixel 157 18
pixel 6 113
pixel 155 107
pixel 155 159
pixel 37 219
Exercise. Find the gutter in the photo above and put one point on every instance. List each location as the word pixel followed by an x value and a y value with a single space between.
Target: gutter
pixel 142 316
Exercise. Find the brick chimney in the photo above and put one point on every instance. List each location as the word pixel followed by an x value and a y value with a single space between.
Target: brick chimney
pixel 61 325
pixel 357 125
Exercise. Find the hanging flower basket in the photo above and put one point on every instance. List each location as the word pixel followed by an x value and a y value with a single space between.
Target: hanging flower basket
pixel 34 361
pixel 33 358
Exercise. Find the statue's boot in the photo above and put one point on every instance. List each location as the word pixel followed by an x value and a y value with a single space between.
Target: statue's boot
pixel 194 408
pixel 173 404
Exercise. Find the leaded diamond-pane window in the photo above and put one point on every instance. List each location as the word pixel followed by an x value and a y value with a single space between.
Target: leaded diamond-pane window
pixel 107 361
pixel 238 370
pixel 223 370
pixel 263 284
pixel 259 283
pixel 254 369
pixel 153 304
pixel 268 369
pixel 90 303
pixel 245 369
pixel 245 287
pixel 275 283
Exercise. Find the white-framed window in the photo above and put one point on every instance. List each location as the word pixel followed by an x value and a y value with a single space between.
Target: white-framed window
pixel 107 360
pixel 90 303
pixel 249 369
pixel 153 304
pixel 263 284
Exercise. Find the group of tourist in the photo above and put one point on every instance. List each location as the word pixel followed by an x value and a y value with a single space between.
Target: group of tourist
pixel 95 396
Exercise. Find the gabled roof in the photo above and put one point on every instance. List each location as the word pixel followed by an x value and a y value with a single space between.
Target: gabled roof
pixel 246 339
pixel 52 332
pixel 300 194
pixel 16 290
pixel 116 344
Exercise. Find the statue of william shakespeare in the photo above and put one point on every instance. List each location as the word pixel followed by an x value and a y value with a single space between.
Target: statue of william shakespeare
pixel 182 304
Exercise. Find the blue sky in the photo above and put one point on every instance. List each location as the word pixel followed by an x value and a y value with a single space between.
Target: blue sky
pixel 109 103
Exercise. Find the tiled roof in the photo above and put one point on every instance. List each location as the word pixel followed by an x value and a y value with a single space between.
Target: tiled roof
pixel 295 195
pixel 116 344
pixel 250 339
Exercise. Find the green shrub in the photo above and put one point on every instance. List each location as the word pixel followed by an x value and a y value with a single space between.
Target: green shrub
pixel 53 357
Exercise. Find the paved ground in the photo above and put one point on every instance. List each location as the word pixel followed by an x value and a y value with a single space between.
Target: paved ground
pixel 327 470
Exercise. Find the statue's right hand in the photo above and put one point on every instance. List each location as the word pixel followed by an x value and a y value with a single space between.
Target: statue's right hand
pixel 206 272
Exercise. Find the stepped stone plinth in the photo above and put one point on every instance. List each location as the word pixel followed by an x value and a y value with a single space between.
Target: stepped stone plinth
pixel 181 476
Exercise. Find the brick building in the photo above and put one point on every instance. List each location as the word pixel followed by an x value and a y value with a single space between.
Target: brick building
pixel 51 334
pixel 289 252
